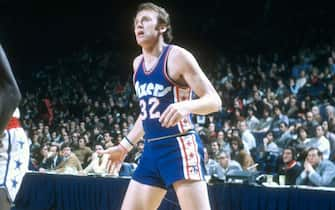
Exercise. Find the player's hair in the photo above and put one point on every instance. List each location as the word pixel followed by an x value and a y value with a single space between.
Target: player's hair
pixel 163 18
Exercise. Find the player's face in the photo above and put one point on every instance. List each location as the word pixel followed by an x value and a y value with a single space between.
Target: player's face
pixel 146 27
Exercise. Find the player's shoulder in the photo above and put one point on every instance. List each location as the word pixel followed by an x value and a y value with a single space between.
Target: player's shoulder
pixel 179 53
pixel 180 56
pixel 136 62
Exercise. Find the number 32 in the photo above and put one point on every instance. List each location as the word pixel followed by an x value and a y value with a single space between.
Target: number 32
pixel 153 103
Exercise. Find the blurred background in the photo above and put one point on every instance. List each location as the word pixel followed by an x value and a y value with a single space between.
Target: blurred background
pixel 37 32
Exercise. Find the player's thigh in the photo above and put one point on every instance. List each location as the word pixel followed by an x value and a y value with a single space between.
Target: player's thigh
pixel 4 202
pixel 142 197
pixel 192 195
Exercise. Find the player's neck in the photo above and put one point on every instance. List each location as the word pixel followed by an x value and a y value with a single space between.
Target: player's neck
pixel 153 50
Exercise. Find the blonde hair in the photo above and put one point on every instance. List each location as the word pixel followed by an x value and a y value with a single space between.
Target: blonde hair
pixel 163 18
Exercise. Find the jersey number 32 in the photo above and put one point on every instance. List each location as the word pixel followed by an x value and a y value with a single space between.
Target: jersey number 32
pixel 152 105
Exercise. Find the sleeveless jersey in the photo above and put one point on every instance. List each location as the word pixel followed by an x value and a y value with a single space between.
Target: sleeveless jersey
pixel 14 156
pixel 156 91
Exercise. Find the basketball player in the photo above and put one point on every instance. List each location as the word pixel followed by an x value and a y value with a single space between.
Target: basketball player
pixel 14 148
pixel 164 78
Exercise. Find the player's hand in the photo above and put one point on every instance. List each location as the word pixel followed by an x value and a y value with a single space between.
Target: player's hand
pixel 173 114
pixel 117 154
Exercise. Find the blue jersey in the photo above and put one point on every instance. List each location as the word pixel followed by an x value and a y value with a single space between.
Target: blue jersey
pixel 156 91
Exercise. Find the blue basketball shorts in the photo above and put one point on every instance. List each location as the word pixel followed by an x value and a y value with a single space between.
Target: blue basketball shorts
pixel 166 161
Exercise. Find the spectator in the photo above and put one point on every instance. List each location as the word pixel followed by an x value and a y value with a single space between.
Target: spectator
pixel 310 123
pixel 210 163
pixel 292 112
pixel 215 150
pixel 44 155
pixel 70 162
pixel 267 154
pixel 98 164
pixel 320 142
pixel 225 166
pixel 300 143
pixel 281 90
pixel 239 154
pixel 138 152
pixel 289 167
pixel 285 135
pixel 251 120
pixel 223 141
pixel 317 172
pixel 269 146
pixel 247 137
pixel 265 121
pixel 107 140
pixel 279 117
pixel 53 159
pixel 331 137
pixel 83 152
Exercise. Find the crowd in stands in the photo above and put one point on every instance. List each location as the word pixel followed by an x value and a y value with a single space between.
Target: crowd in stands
pixel 278 115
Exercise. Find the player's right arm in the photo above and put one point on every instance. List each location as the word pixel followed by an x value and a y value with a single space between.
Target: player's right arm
pixel 119 152
pixel 10 94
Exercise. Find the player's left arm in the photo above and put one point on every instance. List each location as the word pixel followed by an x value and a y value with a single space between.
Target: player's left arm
pixel 183 68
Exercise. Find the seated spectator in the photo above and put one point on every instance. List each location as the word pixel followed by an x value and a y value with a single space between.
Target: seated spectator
pixel 83 152
pixel 289 166
pixel 98 164
pixel 317 172
pixel 269 146
pixel 138 152
pixel 331 137
pixel 210 163
pixel 285 135
pixel 316 114
pixel 44 155
pixel 127 169
pixel 224 166
pixel 107 140
pixel 279 117
pixel 223 141
pixel 70 162
pixel 320 142
pixel 214 150
pixel 293 87
pixel 53 159
pixel 300 143
pixel 247 137
pixel 302 80
pixel 328 95
pixel 265 121
pixel 251 120
pixel 281 90
pixel 267 154
pixel 239 154
pixel 310 123
pixel 293 108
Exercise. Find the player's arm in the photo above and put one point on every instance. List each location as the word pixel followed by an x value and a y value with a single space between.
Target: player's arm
pixel 184 69
pixel 137 132
pixel 129 141
pixel 10 95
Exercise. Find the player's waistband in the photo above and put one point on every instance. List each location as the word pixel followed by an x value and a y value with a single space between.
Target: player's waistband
pixel 13 123
pixel 171 136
